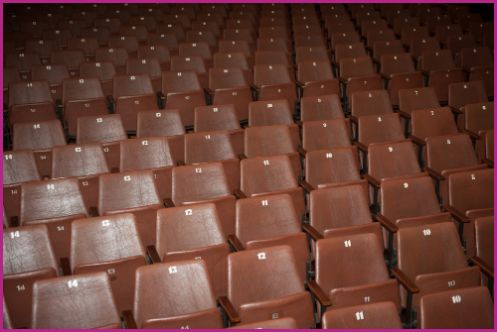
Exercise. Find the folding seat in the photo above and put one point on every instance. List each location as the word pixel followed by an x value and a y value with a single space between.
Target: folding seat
pixel 111 23
pixel 410 33
pixel 69 58
pixel 271 175
pixel 476 118
pixel 273 44
pixel 346 278
pixel 430 259
pixel 117 56
pixel 129 43
pixel 150 67
pixel 274 82
pixel 92 250
pixel 484 74
pixel 355 67
pixel 188 307
pixel 464 93
pixel 484 249
pixel 194 64
pixel 135 31
pixel 30 102
pixel 435 60
pixel 234 46
pixel 159 52
pixel 381 35
pixel 214 146
pixel 54 74
pixel 344 37
pixel 146 20
pixel 132 93
pixel 396 64
pixel 456 43
pixel 325 107
pixel 417 99
pixel 480 31
pixel 205 183
pixel 440 81
pixel 325 134
pixel 54 203
pixel 272 58
pixel 310 39
pixel 172 28
pixel 182 91
pixel 194 231
pixel 202 49
pixel 401 81
pixel 377 129
pixel 102 35
pixel 374 102
pixel 203 35
pixel 87 45
pixel 253 215
pixel 386 47
pixel 419 46
pixel 280 323
pixel 23 62
pixel 10 75
pixel 313 74
pixel 309 54
pixel 444 31
pixel 206 25
pixel 104 71
pixel 239 33
pixel 468 308
pixel 163 123
pixel 28 257
pixel 485 147
pixel 230 60
pixel 168 40
pixel 72 25
pixel 380 315
pixel 368 25
pixel 41 47
pixel 55 300
pixel 261 287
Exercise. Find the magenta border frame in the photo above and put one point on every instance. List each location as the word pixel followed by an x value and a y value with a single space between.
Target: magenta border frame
pixel 235 1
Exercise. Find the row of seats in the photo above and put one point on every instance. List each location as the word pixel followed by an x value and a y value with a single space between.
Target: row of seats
pixel 346 146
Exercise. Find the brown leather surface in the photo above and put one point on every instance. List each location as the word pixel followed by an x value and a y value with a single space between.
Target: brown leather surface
pixel 78 160
pixel 325 107
pixel 370 103
pixel 469 308
pixel 70 58
pixel 128 42
pixel 226 77
pixel 314 71
pixel 267 113
pixel 54 74
pixel 432 122
pixel 280 323
pixel 267 75
pixel 349 50
pixel 436 60
pixel 83 301
pixel 257 138
pixel 380 128
pixel 440 81
pixel 392 159
pixel 116 55
pixel 145 153
pixel 192 49
pixel 402 81
pixel 463 93
pixel 471 190
pixel 450 151
pixel 381 315
pixel 478 117
pixel 236 60
pixel 332 166
pixel 416 99
pixel 38 136
pixel 159 123
pixel 102 129
pixel 396 63
pixel 325 134
pixel 103 70
pixel 29 92
pixel 81 89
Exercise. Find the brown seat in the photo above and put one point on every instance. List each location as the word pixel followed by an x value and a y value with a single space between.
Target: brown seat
pixel 214 146
pixel 271 58
pixel 430 258
pixel 191 63
pixel 41 47
pixel 324 107
pixel 380 315
pixel 432 122
pixel 101 35
pixel 418 46
pixel 477 118
pixel 150 67
pixel 27 257
pixel 92 250
pixel 364 83
pixel 444 31
pixel 456 43
pixel 205 183
pixel 30 102
pixel 434 60
pixel 104 71
pixel 187 307
pixel 312 74
pixel 23 61
pixel 352 50
pixel 344 37
pixel 399 81
pixel 271 175
pixel 82 301
pixel 485 147
pixel 117 56
pixel 85 162
pixel 325 134
pixel 55 203
pixel 385 47
pixel 232 46
pixel 255 279
pixel 464 93
pixel 274 82
pixel 309 54
pixel 280 323
pixel 133 93
pixel 134 31
pixel 70 58
pixel 134 192
pixel 82 97
pixel 87 45
pixel 396 64
pixel 484 229
pixel 468 308
pixel 202 49
pixel 373 102
pixel 441 79
pixel 111 23
pixel 231 60
pixel 350 270
pixel 266 221
pixel 194 232
pixel 350 68
pixel 157 51
pixel 54 74
pixel 416 99
pixel 378 128
pixel 129 43
pixel 475 57
pixel 410 33
pixel 10 75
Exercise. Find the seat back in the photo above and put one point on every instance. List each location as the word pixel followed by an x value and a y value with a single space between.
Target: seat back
pixel 150 67
pixel 371 103
pixel 479 117
pixel 436 60
pixel 101 129
pixel 325 134
pixel 218 117
pixel 450 151
pixel 271 75
pixel 375 315
pixel 81 89
pixel 173 82
pixel 416 99
pixel 54 74
pixel 267 113
pixel 132 85
pixel 325 107
pixel 129 42
pixel 392 159
pixel 380 128
pixel 32 92
pixel 70 58
pixel 205 147
pixel 104 71
pixel 314 71
pixel 116 55
pixel 81 160
pixel 356 67
pixel 463 93
pixel 230 61
pixel 19 166
pixel 266 174
pixel 186 64
pixel 432 122
pixel 471 190
pixel 484 229
pixel 145 153
pixel 257 139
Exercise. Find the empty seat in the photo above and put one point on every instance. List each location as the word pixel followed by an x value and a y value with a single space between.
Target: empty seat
pixel 133 93
pixel 313 74
pixel 484 74
pixel 274 82
pixel 432 122
pixel 104 71
pixel 23 62
pixel 475 57
pixel 386 47
pixel 416 99
pixel 399 81
pixel 323 107
pixel 418 46
pixel 440 81
pixel 380 315
pixel 259 294
pixel 117 56
pixel 396 64
pixel 231 60
pixel 88 45
pixel 149 66
pixel 194 232
pixel 435 60
pixel 325 134
pixel 464 93
pixel 30 102
pixel 477 118
pixel 27 257
pixel 129 43
pixel 205 183
pixel 157 51
pixel 70 58
pixel 378 128
pixel 201 49
pixel 82 301
pixel 373 102
pixel 468 308
pixel 350 68
pixel 191 63
pixel 280 323
pixel 485 147
pixel 187 307
pixel 352 50
pixel 54 74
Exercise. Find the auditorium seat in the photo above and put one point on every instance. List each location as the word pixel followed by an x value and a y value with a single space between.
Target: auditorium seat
pixel 53 74
pixel 30 102
pixel 418 46
pixel 426 123
pixel 274 82
pixel 157 51
pixel 117 56
pixel 148 66
pixel 23 61
pixel 191 63
pixel 327 134
pixel 104 71
pixel 485 147
pixel 109 244
pixel 463 93
pixel 202 49
pixel 351 50
pixel 101 35
pixel 279 323
pixel 484 251
pixel 374 102
pixel 377 129
pixel 230 60
pixel 323 107
pixel 380 315
pixel 416 99
pixel 82 301
pixel 475 57
pixel 355 67
pixel 69 58
pixel 435 60
pixel 27 257
pixel 41 47
pixel 382 47
pixel 476 118
pixel 87 45
pixel 312 75
pixel 129 43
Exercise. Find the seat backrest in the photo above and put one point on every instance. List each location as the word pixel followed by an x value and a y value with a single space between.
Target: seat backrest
pixel 232 46
pixel 185 228
pixel 450 151
pixel 351 50
pixel 262 274
pixel 257 139
pixel 38 135
pixel 199 182
pixel 348 261
pixel 100 128
pixel 477 56
pixel 205 147
pixel 106 239
pixel 160 52
pixel 213 118
pixel 392 159
pixel 271 58
pixel 432 122
pixel 197 48
pixel 408 197
pixel 159 123
pixel 231 60
pixel 78 160
pixel 80 301
pixel 266 217
pixel 267 113
pixel 429 249
pixel 325 107
pixel 471 190
pixel 149 66
pixel 19 166
pixel 127 190
pixel 356 67
pixel 314 71
pixel 189 63
pixel 88 45
pixel 380 128
pixel 484 230
pixel 174 281
pixel 418 98
pixel 303 53
pixel 266 174
pixel 367 316
pixel 132 85
pixel 145 153
pixel 436 60
pixel 116 55
pixel 81 89
pixel 70 58
pixel 29 93
pixel 225 77
pixel 129 43
pixel 43 200
pixel 479 116
pixel 271 75
pixel 396 63
pixel 27 249
pixel 181 81
pixel 333 165
pixel 54 74
pixel 463 93
pixel 371 103
pixel 325 134
pixel 104 71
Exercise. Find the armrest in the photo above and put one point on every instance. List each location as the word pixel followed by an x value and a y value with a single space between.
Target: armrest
pixel 65 266
pixel 14 221
pixel 153 254
pixel 487 270
pixel 208 91
pixel 93 211
pixel 129 320
pixel 229 309
pixel 385 222
pixel 306 186
pixel 353 118
pixel 239 194
pixel 161 96
pixel 110 103
pixel 318 293
pixel 458 216
pixel 405 281
pixel 168 202
pixel 372 180
pixel 362 147
pixel 180 163
pixel 235 242
pixel 313 233
pixel 418 140
pixel 301 151
pixel 434 174
pixel 404 114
